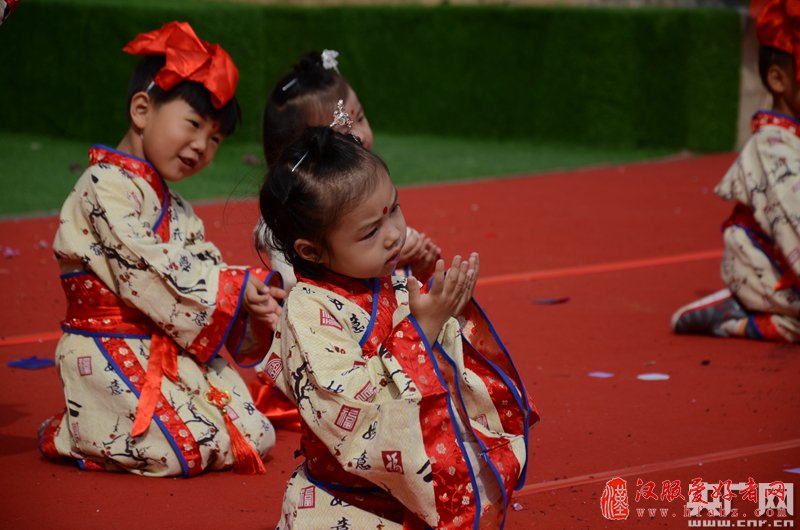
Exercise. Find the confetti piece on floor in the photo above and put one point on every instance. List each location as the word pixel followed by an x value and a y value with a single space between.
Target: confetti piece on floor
pixel 795 470
pixel 31 363
pixel 551 301
pixel 600 375
pixel 9 252
pixel 652 377
pixel 517 506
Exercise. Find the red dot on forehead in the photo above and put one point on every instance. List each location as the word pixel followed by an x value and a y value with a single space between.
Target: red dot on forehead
pixel 385 209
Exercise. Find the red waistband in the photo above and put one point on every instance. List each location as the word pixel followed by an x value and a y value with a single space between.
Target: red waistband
pixel 744 217
pixel 93 308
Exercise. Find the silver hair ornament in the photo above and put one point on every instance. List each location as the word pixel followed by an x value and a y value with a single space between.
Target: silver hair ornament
pixel 329 61
pixel 341 117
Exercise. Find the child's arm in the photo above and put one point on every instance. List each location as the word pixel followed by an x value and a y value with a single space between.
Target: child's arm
pixel 779 205
pixel 262 303
pixel 447 296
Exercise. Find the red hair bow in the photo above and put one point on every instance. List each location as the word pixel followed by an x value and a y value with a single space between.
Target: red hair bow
pixel 188 59
pixel 778 26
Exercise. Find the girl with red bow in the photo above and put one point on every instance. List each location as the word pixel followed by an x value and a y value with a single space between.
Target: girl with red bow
pixel 150 302
pixel 761 261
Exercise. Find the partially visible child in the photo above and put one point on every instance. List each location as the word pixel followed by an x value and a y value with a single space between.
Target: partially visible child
pixel 150 302
pixel 761 261
pixel 311 95
pixel 307 97
pixel 409 416
pixel 6 7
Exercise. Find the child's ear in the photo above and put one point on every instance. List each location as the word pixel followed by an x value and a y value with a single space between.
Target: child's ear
pixel 139 109
pixel 777 79
pixel 307 250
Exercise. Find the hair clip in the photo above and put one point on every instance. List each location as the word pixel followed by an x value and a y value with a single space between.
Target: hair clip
pixel 288 85
pixel 329 60
pixel 300 161
pixel 150 87
pixel 341 117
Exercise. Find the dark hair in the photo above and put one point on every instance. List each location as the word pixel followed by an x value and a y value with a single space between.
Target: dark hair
pixel 317 180
pixel 769 56
pixel 305 96
pixel 193 93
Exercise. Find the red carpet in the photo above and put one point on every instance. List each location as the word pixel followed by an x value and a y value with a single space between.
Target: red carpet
pixel 626 245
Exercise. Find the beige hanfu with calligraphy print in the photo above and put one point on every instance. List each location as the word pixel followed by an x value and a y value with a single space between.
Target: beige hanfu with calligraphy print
pixel 150 305
pixel 761 261
pixel 396 431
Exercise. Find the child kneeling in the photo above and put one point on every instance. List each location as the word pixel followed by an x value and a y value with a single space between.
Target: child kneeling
pixel 150 302
pixel 761 261
pixel 409 417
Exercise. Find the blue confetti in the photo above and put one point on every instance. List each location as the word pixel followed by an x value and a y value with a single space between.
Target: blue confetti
pixel 795 470
pixel 551 301
pixel 600 375
pixel 32 363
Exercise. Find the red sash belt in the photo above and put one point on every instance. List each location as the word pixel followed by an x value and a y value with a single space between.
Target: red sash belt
pixel 743 217
pixel 93 308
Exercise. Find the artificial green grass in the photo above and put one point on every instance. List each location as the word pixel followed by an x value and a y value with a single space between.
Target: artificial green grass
pixel 617 77
pixel 38 172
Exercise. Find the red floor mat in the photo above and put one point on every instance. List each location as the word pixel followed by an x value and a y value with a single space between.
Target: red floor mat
pixel 619 247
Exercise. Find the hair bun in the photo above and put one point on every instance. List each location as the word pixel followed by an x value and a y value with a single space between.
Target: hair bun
pixel 317 140
pixel 308 63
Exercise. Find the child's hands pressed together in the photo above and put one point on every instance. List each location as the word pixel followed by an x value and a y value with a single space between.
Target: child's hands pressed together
pixel 447 296
pixel 419 253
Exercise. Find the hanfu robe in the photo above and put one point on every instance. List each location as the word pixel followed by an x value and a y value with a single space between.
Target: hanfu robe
pixel 761 260
pixel 151 304
pixel 396 430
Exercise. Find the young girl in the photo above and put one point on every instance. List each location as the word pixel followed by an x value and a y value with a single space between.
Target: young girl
pixel 150 301
pixel 307 97
pixel 761 262
pixel 409 416
pixel 310 95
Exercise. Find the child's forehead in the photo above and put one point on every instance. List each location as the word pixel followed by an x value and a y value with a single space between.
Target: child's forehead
pixel 377 188
pixel 180 107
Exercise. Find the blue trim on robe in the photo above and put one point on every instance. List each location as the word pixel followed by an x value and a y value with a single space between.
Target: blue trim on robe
pixel 376 289
pixel 525 406
pixel 77 273
pixel 161 426
pixel 484 450
pixel 329 487
pixel 432 358
pixel 776 114
pixel 164 187
pixel 98 334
